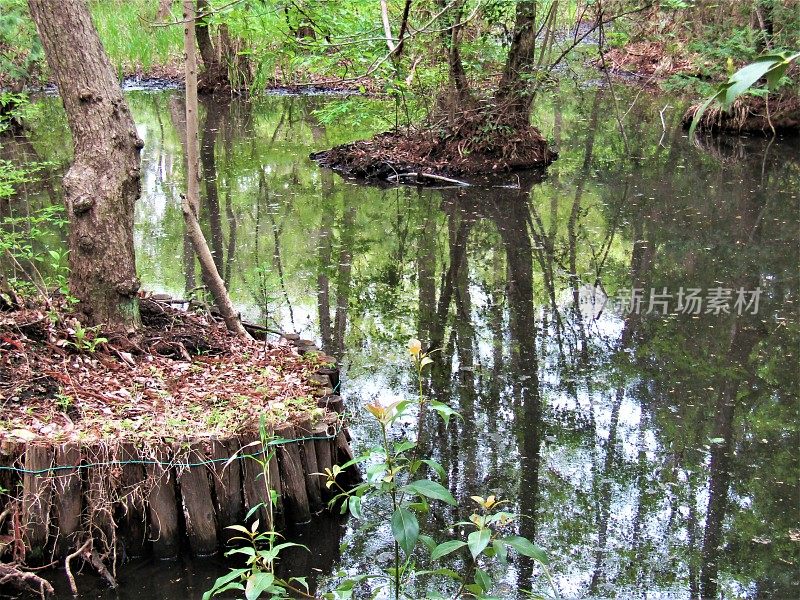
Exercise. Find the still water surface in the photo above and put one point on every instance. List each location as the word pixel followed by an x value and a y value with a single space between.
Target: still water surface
pixel 652 452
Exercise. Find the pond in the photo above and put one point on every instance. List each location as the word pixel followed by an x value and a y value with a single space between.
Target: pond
pixel 620 336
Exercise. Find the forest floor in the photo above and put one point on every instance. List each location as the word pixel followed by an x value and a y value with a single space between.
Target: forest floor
pixel 649 62
pixel 183 376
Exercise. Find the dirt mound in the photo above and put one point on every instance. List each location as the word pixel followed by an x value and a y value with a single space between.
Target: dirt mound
pixel 471 146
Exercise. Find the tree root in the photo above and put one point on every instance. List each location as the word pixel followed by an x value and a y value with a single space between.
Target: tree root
pixel 88 554
pixel 13 576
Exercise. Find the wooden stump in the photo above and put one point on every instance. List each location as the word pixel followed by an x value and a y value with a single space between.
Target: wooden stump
pixel 344 454
pixel 162 508
pixel 37 497
pixel 68 497
pixel 9 455
pixel 323 447
pixel 198 507
pixel 253 482
pixel 133 520
pixel 295 497
pixel 99 498
pixel 332 372
pixel 227 485
pixel 308 458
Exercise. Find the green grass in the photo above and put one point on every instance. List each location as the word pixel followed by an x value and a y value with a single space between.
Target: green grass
pixel 131 41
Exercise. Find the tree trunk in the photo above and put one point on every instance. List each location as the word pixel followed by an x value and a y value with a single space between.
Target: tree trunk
pixel 215 74
pixel 513 93
pixel 191 201
pixel 102 184
pixel 451 38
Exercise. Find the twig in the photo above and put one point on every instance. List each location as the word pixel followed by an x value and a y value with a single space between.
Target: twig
pixel 399 176
pixel 198 16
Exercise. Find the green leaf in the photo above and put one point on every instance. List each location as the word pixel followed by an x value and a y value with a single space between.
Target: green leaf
pixel 775 73
pixel 223 581
pixel 405 529
pixel 257 584
pixel 527 548
pixel 438 469
pixel 246 550
pixel 500 551
pixel 241 528
pixel 234 585
pixel 354 504
pixel 475 589
pixel 698 114
pixel 445 572
pixel 482 579
pixel 445 412
pixel 744 78
pixel 446 548
pixel 403 446
pixel 252 511
pixel 477 541
pixel 431 489
pixel 428 541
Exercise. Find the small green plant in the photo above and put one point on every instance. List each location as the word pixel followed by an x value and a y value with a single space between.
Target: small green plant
pixel 64 402
pixel 261 548
pixel 85 339
pixel 771 66
pixel 395 494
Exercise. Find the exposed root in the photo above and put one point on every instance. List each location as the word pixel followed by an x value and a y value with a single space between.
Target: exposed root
pixel 24 581
pixel 68 565
pixel 88 554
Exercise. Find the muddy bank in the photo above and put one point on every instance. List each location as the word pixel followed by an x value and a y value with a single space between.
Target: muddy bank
pixel 648 60
pixel 751 114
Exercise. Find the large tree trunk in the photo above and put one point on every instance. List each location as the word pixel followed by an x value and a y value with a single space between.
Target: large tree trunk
pixel 102 184
pixel 215 74
pixel 513 93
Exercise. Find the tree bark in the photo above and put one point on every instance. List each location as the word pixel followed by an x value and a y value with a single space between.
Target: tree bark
pixel 513 93
pixel 451 38
pixel 191 202
pixel 215 74
pixel 102 184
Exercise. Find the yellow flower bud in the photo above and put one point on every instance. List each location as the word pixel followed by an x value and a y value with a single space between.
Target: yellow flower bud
pixel 414 347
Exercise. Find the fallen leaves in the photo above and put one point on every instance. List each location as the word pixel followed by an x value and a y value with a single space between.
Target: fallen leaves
pixel 46 392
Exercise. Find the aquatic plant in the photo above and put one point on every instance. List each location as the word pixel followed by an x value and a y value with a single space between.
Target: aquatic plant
pixel 399 488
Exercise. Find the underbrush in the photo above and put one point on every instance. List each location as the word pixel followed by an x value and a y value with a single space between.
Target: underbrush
pixel 133 43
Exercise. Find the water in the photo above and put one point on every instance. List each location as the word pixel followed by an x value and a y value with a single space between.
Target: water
pixel 652 455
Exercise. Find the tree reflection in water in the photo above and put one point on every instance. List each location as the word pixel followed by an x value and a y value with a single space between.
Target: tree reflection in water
pixel 643 451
